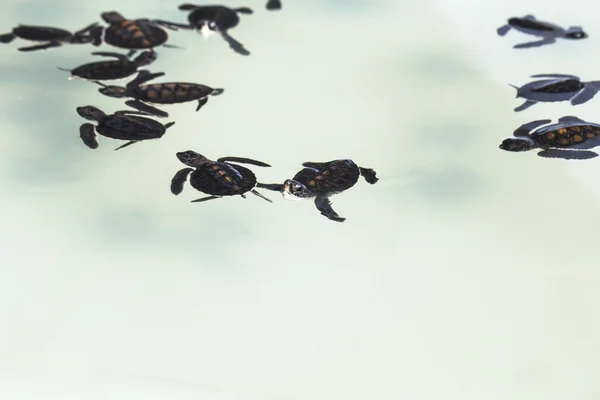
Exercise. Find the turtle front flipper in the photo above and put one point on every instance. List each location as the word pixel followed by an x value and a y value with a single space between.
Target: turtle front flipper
pixel 171 25
pixel 274 5
pixel 369 174
pixel 234 44
pixel 525 105
pixel 243 160
pixel 43 46
pixel 524 129
pixel 188 7
pixel 503 30
pixel 243 10
pixel 555 76
pixel 7 38
pixel 127 144
pixel 144 76
pixel 571 119
pixel 87 133
pixel 179 180
pixel 205 199
pixel 315 165
pixel 585 95
pixel 201 103
pixel 118 56
pixel 146 108
pixel 276 187
pixel 537 43
pixel 254 192
pixel 566 154
pixel 323 204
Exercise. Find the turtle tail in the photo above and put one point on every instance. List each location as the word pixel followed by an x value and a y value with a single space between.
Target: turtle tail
pixel 369 174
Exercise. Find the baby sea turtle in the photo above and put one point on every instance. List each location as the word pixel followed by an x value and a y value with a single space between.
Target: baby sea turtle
pixel 547 31
pixel 322 180
pixel 210 19
pixel 132 34
pixel 122 125
pixel 120 68
pixel 159 93
pixel 559 87
pixel 567 139
pixel 52 37
pixel 216 178
pixel 273 5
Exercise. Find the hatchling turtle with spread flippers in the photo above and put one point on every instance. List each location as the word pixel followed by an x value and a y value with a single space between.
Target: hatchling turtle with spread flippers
pixel 52 37
pixel 159 93
pixel 216 178
pixel 273 5
pixel 132 34
pixel 571 138
pixel 547 31
pixel 211 19
pixel 132 126
pixel 120 68
pixel 322 180
pixel 556 87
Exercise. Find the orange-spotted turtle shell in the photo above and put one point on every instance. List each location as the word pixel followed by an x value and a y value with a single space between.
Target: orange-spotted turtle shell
pixel 566 135
pixel 171 93
pixel 133 34
pixel 105 70
pixel 335 177
pixel 222 179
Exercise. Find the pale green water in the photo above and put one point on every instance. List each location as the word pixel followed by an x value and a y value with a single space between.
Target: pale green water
pixel 464 273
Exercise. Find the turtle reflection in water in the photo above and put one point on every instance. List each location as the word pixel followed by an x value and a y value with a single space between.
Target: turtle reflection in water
pixel 210 19
pixel 570 138
pixel 216 178
pixel 132 34
pixel 274 5
pixel 122 125
pixel 557 87
pixel 120 68
pixel 159 93
pixel 322 180
pixel 52 37
pixel 547 31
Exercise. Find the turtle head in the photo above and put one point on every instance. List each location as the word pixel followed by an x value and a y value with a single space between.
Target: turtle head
pixel 191 158
pixel 207 28
pixel 575 32
pixel 111 17
pixel 294 190
pixel 90 112
pixel 145 58
pixel 521 143
pixel 113 91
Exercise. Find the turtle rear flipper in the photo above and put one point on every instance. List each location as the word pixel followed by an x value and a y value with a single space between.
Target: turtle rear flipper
pixel 42 46
pixel 585 95
pixel 127 144
pixel 234 44
pixel 274 5
pixel 323 204
pixel 369 174
pixel 205 199
pixel 87 133
pixel 179 180
pixel 567 154
pixel 243 160
pixel 7 38
pixel 254 192
pixel 276 187
pixel 503 30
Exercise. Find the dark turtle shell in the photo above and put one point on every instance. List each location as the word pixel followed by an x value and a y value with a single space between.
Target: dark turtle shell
pixel 335 177
pixel 530 24
pixel 225 18
pixel 105 70
pixel 127 127
pixel 171 93
pixel 223 179
pixel 40 33
pixel 564 86
pixel 568 136
pixel 132 34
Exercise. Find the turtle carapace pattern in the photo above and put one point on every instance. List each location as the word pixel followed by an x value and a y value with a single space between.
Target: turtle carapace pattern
pixel 51 37
pixel 571 138
pixel 273 5
pixel 159 93
pixel 120 68
pixel 216 178
pixel 132 126
pixel 322 180
pixel 546 31
pixel 132 34
pixel 556 87
pixel 216 19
